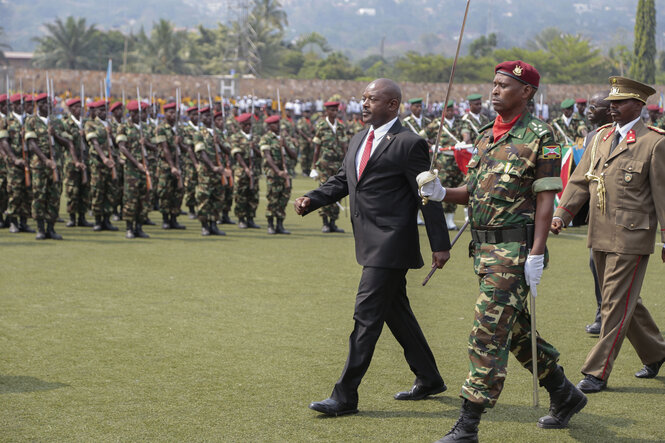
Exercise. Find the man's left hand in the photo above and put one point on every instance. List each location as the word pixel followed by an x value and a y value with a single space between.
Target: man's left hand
pixel 439 258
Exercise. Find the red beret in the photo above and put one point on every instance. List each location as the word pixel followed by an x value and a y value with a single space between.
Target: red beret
pixel 133 105
pixel 653 108
pixel 191 109
pixel 244 117
pixel 171 105
pixel 335 104
pixel 519 70
pixel 272 119
pixel 42 96
pixel 3 98
pixel 27 98
pixel 97 104
pixel 219 114
pixel 16 98
pixel 73 101
pixel 580 100
pixel 115 106
pixel 205 109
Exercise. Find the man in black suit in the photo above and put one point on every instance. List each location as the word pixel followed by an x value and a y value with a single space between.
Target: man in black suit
pixel 379 174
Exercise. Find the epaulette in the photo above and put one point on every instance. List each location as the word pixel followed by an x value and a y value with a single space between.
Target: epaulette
pixel 539 127
pixel 606 125
pixel 487 126
pixel 656 129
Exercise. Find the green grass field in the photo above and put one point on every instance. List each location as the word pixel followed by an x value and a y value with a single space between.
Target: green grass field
pixel 185 338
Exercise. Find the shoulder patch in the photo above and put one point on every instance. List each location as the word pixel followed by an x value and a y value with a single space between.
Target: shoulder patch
pixel 539 127
pixel 656 129
pixel 551 152
pixel 486 126
pixel 607 125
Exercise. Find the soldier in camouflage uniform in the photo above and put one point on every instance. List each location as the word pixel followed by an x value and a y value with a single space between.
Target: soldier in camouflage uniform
pixel 571 124
pixel 473 120
pixel 510 187
pixel 189 164
pixel 209 192
pixel 44 170
pixel 130 139
pixel 114 123
pixel 305 131
pixel 153 154
pixel 246 186
pixel 227 160
pixel 445 163
pixel 330 144
pixel 4 162
pixel 170 188
pixel 416 121
pixel 20 191
pixel 102 167
pixel 68 133
pixel 288 130
pixel 274 148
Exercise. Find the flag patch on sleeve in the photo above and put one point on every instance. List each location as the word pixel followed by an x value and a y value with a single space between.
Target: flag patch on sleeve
pixel 551 152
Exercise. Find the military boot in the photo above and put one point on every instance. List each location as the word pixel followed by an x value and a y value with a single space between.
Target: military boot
pixel 565 400
pixel 280 227
pixel 175 224
pixel 98 223
pixel 326 226
pixel 251 224
pixel 148 222
pixel 138 231
pixel 106 224
pixel 50 232
pixel 166 223
pixel 334 228
pixel 23 226
pixel 4 223
pixel 116 215
pixel 226 220
pixel 130 230
pixel 41 232
pixel 205 227
pixel 466 427
pixel 214 230
pixel 242 224
pixel 271 227
pixel 72 221
pixel 13 225
pixel 192 212
pixel 83 222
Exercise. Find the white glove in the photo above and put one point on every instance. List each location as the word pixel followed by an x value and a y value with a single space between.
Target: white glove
pixel 533 269
pixel 429 186
pixel 313 174
pixel 462 145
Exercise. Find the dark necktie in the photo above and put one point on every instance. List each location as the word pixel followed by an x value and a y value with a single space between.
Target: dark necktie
pixel 366 153
pixel 615 141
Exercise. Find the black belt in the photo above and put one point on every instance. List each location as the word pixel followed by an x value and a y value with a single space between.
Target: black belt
pixel 494 236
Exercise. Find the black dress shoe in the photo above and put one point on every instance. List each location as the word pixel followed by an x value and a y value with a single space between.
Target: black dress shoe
pixel 593 328
pixel 333 408
pixel 591 384
pixel 418 392
pixel 650 370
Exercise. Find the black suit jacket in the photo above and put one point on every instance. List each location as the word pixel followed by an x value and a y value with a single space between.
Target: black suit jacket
pixel 385 201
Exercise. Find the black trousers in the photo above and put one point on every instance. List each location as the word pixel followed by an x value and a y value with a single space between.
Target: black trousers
pixel 382 299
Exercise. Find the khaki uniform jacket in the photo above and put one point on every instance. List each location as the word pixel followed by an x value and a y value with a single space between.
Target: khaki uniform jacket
pixel 634 180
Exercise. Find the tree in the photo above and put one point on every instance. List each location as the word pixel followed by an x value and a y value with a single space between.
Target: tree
pixel 270 11
pixel 483 46
pixel 542 40
pixel 166 51
pixel 68 45
pixel 306 41
pixel 336 66
pixel 644 65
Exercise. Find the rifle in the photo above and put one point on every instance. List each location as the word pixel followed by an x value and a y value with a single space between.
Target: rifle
pixel 114 173
pixel 177 147
pixel 82 149
pixel 221 95
pixel 24 146
pixel 49 110
pixel 144 153
pixel 281 145
pixel 218 158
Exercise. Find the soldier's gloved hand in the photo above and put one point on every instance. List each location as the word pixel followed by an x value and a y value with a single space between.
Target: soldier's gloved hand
pixel 429 186
pixel 462 145
pixel 533 269
pixel 313 174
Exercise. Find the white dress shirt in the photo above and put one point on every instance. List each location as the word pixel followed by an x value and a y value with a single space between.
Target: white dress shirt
pixel 625 129
pixel 379 133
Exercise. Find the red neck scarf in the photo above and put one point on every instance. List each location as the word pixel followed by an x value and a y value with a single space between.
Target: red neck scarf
pixel 500 127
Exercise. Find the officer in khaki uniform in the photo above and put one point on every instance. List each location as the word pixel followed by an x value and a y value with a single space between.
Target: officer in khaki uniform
pixel 621 175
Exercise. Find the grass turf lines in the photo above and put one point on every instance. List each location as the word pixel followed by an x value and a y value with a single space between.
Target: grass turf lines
pixel 185 338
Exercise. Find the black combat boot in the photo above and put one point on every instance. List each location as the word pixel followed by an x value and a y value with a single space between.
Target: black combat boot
pixel 138 231
pixel 242 224
pixel 116 215
pixel 148 222
pixel 130 230
pixel 106 224
pixel 41 232
pixel 83 222
pixel 251 224
pixel 4 223
pixel 50 232
pixel 280 227
pixel 565 400
pixel 214 230
pixel 23 226
pixel 166 224
pixel 205 227
pixel 466 428
pixel 326 226
pixel 175 224
pixel 98 223
pixel 192 212
pixel 271 227
pixel 13 226
pixel 334 228
pixel 226 220
pixel 72 221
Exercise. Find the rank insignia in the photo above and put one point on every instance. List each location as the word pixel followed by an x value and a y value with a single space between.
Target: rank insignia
pixel 517 71
pixel 628 177
pixel 630 137
pixel 551 152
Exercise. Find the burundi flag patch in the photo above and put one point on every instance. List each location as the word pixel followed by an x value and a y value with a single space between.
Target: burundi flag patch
pixel 551 152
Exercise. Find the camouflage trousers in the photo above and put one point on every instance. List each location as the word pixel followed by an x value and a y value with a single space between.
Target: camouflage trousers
pixel 306 156
pixel 45 195
pixel 502 325
pixel 101 188
pixel 227 198
pixel 170 196
pixel 278 196
pixel 4 187
pixel 450 176
pixel 136 199
pixel 246 199
pixel 154 176
pixel 209 194
pixel 190 180
pixel 118 185
pixel 77 192
pixel 330 211
pixel 19 200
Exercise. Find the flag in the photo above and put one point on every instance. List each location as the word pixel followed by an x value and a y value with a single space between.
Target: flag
pixel 462 158
pixel 578 150
pixel 566 166
pixel 108 78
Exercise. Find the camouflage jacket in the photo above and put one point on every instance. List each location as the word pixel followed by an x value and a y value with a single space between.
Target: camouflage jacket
pixel 503 180
pixel 660 123
pixel 10 128
pixel 431 130
pixel 332 144
pixel 165 133
pixel 188 133
pixel 411 123
pixel 306 127
pixel 572 131
pixel 37 130
pixel 471 126
pixel 258 128
pixel 71 130
pixel 240 144
pixel 129 133
pixel 95 129
pixel 204 141
pixel 273 144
